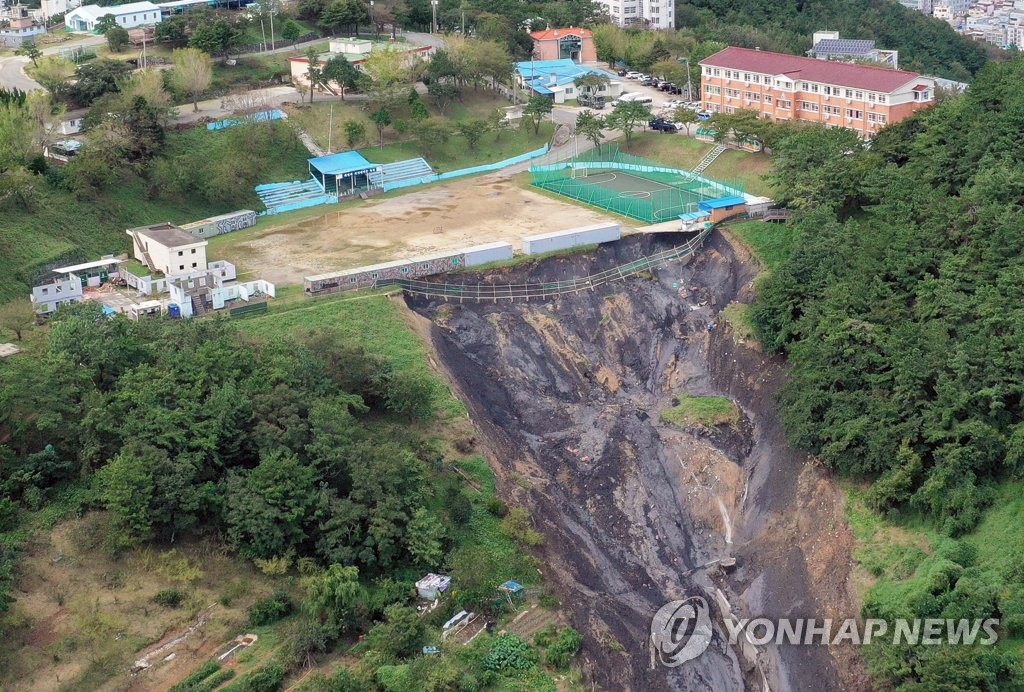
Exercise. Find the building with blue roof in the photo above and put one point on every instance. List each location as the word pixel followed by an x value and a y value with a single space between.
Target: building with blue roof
pixel 557 79
pixel 723 207
pixel 346 173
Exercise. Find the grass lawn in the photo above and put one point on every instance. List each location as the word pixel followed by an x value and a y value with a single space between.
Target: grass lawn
pixel 684 152
pixel 738 317
pixel 772 243
pixel 707 411
pixel 455 153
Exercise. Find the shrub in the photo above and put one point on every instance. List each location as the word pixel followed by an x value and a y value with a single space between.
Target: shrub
pixel 517 525
pixel 265 679
pixel 269 610
pixel 496 507
pixel 510 653
pixel 214 681
pixel 190 683
pixel 168 598
pixel 563 648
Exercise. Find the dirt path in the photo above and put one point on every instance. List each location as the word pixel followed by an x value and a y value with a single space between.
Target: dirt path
pixel 568 394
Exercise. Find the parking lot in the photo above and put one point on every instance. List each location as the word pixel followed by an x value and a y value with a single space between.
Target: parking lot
pixel 632 86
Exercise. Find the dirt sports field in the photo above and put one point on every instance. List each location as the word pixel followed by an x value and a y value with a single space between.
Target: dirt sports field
pixel 440 217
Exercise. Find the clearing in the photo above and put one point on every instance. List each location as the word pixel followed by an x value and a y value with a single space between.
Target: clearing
pixel 432 219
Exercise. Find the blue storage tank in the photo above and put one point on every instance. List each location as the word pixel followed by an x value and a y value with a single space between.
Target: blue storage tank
pixel 174 311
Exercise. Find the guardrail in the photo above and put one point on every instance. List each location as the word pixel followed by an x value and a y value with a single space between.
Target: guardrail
pixel 530 291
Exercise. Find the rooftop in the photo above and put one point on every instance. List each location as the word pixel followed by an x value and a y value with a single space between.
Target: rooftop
pixel 167 234
pixel 844 46
pixel 549 34
pixel 95 11
pixel 343 162
pixel 721 202
pixel 811 70
pixel 71 269
pixel 541 74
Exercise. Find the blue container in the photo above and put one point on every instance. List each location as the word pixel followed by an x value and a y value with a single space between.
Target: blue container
pixel 174 311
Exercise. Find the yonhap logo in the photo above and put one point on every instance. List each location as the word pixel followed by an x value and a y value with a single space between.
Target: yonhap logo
pixel 680 631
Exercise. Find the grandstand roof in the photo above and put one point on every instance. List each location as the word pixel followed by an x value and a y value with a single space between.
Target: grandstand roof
pixel 341 163
pixel 811 69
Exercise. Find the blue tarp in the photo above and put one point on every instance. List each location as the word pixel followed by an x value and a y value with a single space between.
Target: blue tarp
pixel 341 163
pixel 513 586
pixel 721 203
pixel 694 215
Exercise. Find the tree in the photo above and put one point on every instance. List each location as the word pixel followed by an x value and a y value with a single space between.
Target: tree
pixel 610 43
pixel 191 73
pixel 671 71
pixel 685 117
pixel 590 126
pixel 331 598
pixel 314 71
pixel 338 70
pixel 106 23
pixel 291 31
pixel 30 51
pixel 147 83
pixel 215 37
pixel 96 78
pixel 355 133
pixel 117 38
pixel 443 94
pixel 536 109
pixel 16 316
pixel 626 116
pixel 401 633
pixel 423 538
pixel 381 118
pixel 430 132
pixel 591 82
pixel 53 73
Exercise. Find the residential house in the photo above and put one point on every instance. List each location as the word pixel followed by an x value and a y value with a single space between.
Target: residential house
pixel 557 79
pixel 21 30
pixel 86 17
pixel 787 87
pixel 167 249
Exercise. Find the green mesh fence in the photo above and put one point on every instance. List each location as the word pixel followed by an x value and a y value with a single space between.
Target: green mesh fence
pixel 628 185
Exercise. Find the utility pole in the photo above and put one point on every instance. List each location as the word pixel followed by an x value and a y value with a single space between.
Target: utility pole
pixel 263 30
pixel 433 24
pixel 330 126
pixel 272 24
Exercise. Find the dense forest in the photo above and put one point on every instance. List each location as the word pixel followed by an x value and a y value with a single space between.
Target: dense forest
pixel 304 453
pixel 925 44
pixel 900 313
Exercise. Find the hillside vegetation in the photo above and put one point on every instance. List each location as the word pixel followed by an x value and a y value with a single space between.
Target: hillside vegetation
pixel 899 310
pixel 924 43
pixel 286 442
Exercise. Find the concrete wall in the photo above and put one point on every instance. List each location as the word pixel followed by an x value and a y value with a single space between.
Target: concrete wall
pixel 574 237
pixel 408 268
pixel 217 225
pixel 48 297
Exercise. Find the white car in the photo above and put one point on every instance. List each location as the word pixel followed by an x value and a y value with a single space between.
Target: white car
pixel 632 75
pixel 673 104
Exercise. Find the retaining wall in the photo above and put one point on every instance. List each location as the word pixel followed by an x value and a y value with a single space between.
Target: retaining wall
pixel 573 237
pixel 225 223
pixel 407 268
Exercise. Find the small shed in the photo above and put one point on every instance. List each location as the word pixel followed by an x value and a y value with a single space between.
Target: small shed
pixel 346 173
pixel 723 207
pixel 512 590
pixel 432 585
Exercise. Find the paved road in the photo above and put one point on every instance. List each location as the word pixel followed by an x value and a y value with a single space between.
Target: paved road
pixel 12 70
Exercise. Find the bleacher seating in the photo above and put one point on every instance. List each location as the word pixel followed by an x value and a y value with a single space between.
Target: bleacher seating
pixel 404 170
pixel 276 195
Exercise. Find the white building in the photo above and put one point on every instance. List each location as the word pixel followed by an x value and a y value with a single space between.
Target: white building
pixel 66 285
pixel 128 16
pixel 49 8
pixel 167 249
pixel 652 14
pixel 21 30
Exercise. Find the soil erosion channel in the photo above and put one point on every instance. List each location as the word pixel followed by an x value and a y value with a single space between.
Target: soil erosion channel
pixel 633 509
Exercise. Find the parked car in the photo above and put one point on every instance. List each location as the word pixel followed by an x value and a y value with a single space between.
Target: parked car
pixel 632 75
pixel 650 81
pixel 675 89
pixel 673 104
pixel 622 73
pixel 663 85
pixel 663 125
pixel 703 115
pixel 595 101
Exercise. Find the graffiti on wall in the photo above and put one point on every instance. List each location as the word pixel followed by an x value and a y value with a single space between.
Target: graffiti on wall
pixel 222 224
pixel 366 277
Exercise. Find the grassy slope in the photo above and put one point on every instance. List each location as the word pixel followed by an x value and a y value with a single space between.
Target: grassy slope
pixel 771 243
pixel 64 229
pixel 708 411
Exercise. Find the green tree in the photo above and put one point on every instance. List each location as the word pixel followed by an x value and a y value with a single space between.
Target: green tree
pixel 589 125
pixel 685 117
pixel 106 23
pixel 128 486
pixel 53 74
pixel 314 71
pixel 215 37
pixel 610 42
pixel 331 598
pixel 355 133
pixel 423 538
pixel 591 82
pixel 535 110
pixel 117 38
pixel 473 130
pixel 30 51
pixel 16 316
pixel 191 73
pixel 267 507
pixel 338 70
pixel 400 635
pixel 381 118
pixel 291 31
pixel 407 394
pixel 627 116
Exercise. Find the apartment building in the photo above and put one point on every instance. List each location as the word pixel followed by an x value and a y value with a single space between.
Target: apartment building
pixel 651 14
pixel 788 87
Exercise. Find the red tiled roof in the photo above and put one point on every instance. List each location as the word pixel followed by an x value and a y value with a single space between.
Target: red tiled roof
pixel 811 69
pixel 549 34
